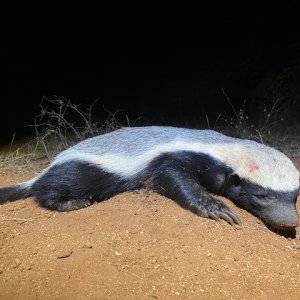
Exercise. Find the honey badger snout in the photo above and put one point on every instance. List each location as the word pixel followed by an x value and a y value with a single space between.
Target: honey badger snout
pixel 282 216
pixel 279 212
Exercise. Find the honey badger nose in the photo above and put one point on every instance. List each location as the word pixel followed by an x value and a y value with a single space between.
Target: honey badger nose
pixel 293 221
pixel 284 219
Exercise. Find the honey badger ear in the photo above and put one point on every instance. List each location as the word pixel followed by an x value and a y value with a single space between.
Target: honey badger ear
pixel 235 179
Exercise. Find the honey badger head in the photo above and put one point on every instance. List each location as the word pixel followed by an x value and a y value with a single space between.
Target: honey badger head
pixel 263 181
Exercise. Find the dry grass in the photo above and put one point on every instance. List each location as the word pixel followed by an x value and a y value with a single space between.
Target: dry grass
pixel 62 124
pixel 270 129
pixel 59 125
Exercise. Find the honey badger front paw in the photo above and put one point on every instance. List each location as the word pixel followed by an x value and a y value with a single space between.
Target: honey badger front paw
pixel 216 210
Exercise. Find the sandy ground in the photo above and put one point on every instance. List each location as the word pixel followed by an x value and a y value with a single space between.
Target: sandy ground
pixel 140 246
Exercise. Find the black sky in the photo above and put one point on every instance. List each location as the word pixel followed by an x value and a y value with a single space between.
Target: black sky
pixel 167 65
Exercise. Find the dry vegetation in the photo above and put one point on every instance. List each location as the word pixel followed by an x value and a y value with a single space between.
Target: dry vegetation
pixel 61 124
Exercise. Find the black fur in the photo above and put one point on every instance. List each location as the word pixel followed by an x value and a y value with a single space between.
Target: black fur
pixel 185 177
pixel 75 184
pixel 13 193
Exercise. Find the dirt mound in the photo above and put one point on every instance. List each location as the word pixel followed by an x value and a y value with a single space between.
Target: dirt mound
pixel 140 246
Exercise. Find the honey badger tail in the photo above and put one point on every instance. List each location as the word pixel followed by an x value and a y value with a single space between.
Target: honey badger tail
pixel 14 192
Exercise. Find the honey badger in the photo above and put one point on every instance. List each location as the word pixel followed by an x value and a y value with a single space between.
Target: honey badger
pixel 186 165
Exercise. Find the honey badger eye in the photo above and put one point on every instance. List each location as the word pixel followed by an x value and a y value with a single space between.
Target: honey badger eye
pixel 260 196
pixel 235 179
pixel 264 197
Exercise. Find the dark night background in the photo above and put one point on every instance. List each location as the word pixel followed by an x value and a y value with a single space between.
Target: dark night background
pixel 160 65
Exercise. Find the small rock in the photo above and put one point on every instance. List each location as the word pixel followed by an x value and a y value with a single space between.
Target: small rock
pixel 65 254
pixel 16 263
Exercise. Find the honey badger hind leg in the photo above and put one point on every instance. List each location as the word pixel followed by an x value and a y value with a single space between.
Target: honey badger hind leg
pixel 75 184
pixel 182 187
pixel 63 205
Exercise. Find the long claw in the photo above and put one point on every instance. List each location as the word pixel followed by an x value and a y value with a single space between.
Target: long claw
pixel 235 218
pixel 230 217
pixel 227 218
pixel 213 216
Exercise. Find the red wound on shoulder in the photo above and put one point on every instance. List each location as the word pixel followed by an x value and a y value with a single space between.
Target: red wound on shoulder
pixel 252 165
